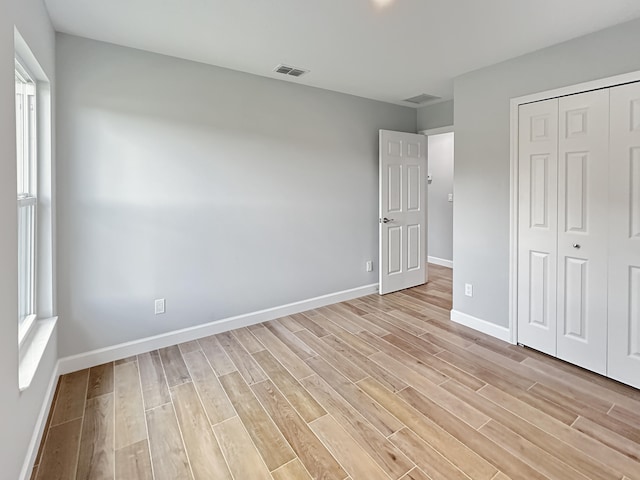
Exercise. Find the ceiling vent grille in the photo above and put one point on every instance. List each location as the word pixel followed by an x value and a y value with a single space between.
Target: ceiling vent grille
pixel 422 98
pixel 291 71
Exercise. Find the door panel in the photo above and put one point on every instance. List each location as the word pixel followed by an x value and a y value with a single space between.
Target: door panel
pixel 395 250
pixel 634 193
pixel 403 170
pixel 634 313
pixel 395 188
pixel 539 191
pixel 537 225
pixel 624 236
pixel 539 294
pixel 413 182
pixel 575 282
pixel 583 191
pixel 575 191
pixel 413 252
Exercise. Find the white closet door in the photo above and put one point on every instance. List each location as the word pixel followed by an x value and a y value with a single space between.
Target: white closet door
pixel 537 225
pixel 583 198
pixel 624 236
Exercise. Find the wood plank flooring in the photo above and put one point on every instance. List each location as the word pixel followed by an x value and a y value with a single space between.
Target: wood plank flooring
pixel 374 388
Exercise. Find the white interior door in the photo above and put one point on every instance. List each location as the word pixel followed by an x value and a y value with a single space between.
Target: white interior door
pixel 583 200
pixel 624 236
pixel 403 210
pixel 538 224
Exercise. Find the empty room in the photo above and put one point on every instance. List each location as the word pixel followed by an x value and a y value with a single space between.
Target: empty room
pixel 350 240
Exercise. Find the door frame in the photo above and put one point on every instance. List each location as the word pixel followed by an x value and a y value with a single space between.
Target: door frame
pixel 428 133
pixel 515 103
pixel 438 131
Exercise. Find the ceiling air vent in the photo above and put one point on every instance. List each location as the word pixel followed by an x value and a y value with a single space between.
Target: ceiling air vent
pixel 420 99
pixel 291 71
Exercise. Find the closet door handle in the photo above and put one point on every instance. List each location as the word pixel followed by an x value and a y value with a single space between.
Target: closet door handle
pixel 576 245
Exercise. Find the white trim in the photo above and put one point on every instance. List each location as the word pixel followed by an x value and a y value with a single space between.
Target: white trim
pixel 32 350
pixel 41 423
pixel 607 82
pixel 24 328
pixel 513 230
pixel 497 331
pixel 440 261
pixel 437 131
pixel 109 354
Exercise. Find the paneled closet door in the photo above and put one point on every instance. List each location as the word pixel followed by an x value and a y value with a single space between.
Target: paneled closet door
pixel 537 224
pixel 624 236
pixel 583 199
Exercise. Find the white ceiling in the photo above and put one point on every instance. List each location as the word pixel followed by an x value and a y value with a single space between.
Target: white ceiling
pixel 388 53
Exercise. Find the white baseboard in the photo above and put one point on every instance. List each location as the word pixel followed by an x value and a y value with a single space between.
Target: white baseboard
pixel 109 354
pixel 440 261
pixel 41 423
pixel 480 325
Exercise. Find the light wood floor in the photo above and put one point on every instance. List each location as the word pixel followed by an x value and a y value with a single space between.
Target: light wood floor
pixel 379 387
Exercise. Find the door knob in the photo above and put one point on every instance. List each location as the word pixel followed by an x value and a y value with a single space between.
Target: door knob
pixel 576 245
pixel 387 220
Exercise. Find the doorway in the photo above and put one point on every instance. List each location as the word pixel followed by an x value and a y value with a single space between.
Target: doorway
pixel 440 148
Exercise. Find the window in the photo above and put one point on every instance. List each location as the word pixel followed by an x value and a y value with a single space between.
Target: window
pixel 27 167
pixel 36 211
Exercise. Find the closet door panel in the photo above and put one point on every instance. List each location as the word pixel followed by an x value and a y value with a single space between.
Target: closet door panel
pixel 624 236
pixel 537 225
pixel 583 151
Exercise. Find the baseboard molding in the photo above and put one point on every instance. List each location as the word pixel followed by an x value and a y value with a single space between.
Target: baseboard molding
pixel 136 347
pixel 480 325
pixel 41 423
pixel 440 261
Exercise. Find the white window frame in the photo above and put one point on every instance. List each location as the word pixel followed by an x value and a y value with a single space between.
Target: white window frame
pixel 36 333
pixel 27 199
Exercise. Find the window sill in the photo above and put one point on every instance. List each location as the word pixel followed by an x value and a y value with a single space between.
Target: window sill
pixel 32 350
pixel 24 329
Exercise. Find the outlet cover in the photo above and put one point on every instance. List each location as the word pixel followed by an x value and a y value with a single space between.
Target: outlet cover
pixel 468 290
pixel 369 266
pixel 159 306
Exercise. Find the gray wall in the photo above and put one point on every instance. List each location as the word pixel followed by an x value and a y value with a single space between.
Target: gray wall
pixel 440 236
pixel 18 411
pixel 481 209
pixel 436 115
pixel 223 192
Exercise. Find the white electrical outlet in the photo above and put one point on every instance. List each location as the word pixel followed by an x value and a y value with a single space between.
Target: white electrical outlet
pixel 468 290
pixel 369 266
pixel 450 197
pixel 159 306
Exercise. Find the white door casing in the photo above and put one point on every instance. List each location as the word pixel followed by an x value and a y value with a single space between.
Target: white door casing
pixel 624 235
pixel 538 222
pixel 403 210
pixel 583 199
